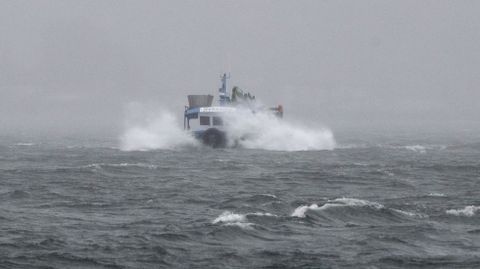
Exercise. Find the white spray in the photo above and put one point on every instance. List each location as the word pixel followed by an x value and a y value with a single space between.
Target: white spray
pixel 263 130
pixel 160 132
pixel 260 130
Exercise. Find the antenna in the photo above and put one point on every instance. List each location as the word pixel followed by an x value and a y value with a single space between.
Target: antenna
pixel 229 60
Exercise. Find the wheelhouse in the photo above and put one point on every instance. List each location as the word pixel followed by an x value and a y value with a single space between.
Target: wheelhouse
pixel 200 119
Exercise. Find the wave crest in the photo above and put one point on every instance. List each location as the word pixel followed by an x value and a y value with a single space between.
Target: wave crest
pixel 339 202
pixel 468 211
pixel 228 218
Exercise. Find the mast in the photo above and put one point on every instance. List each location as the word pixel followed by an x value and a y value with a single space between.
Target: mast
pixel 222 91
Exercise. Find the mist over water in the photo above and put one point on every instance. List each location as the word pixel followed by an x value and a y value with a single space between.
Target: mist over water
pixel 260 130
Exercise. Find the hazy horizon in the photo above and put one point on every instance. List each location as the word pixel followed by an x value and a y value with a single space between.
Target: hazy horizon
pixel 71 67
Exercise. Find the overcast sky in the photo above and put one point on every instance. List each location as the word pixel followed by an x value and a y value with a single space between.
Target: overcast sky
pixel 74 66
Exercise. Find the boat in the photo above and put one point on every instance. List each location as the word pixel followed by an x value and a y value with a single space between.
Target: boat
pixel 208 122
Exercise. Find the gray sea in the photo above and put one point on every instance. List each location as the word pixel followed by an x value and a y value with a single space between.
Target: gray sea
pixel 378 202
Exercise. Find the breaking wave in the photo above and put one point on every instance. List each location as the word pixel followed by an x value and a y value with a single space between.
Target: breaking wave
pixel 24 144
pixel 339 202
pixel 300 212
pixel 468 211
pixel 436 194
pixel 127 165
pixel 228 218
pixel 410 214
pixel 417 148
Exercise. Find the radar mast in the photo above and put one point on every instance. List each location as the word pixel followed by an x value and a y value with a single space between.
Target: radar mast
pixel 224 98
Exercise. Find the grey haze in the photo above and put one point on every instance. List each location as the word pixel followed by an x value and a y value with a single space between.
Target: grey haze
pixel 72 67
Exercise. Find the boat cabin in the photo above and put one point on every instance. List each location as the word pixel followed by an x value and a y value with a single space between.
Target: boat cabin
pixel 200 119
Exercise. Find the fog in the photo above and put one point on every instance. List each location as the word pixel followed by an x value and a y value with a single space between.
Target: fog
pixel 73 67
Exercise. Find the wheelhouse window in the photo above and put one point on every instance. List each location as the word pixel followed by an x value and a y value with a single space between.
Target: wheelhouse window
pixel 217 121
pixel 204 120
pixel 192 116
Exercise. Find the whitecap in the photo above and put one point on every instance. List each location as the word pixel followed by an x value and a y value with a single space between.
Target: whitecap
pixel 300 211
pixel 436 194
pixel 243 225
pixel 93 165
pixel 339 202
pixel 357 202
pixel 269 195
pixel 417 148
pixel 25 144
pixel 229 217
pixel 139 165
pixel 262 214
pixel 468 211
pixel 410 214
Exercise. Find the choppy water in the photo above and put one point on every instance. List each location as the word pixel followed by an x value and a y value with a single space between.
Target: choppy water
pixel 394 204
